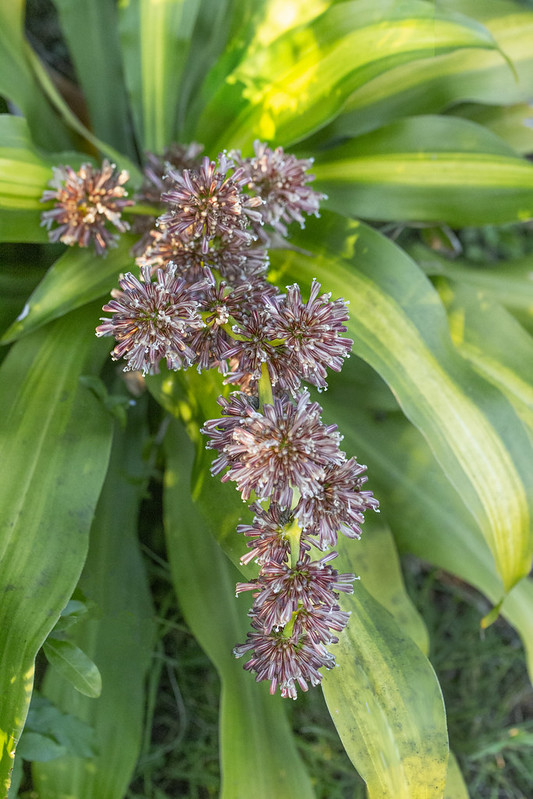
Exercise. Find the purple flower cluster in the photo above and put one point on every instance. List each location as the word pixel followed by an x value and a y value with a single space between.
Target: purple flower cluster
pixel 203 299
pixel 86 203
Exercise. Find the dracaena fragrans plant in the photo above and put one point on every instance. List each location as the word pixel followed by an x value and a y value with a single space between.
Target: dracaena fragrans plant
pixel 265 188
pixel 202 299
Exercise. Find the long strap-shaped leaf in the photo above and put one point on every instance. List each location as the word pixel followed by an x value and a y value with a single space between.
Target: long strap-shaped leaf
pixel 55 446
pixel 76 278
pixel 24 174
pixel 433 84
pixel 257 750
pixel 496 345
pixel 299 82
pixel 439 169
pixel 427 516
pixel 155 36
pixel 118 638
pixel 400 328
pixel 386 703
pixel 90 29
pixel 507 282
pixel 18 82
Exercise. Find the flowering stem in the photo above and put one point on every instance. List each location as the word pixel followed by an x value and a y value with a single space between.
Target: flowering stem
pixel 293 534
pixel 265 388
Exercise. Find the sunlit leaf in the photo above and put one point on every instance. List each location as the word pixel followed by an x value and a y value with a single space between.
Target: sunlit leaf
pixel 386 703
pixel 428 517
pixel 440 81
pixel 296 84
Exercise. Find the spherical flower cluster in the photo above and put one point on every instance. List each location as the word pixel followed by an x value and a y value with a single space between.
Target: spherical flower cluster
pixel 280 179
pixel 152 320
pixel 209 203
pixel 204 299
pixel 86 203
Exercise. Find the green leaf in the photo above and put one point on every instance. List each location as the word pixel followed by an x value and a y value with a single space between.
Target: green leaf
pixel 434 83
pixel 427 516
pixel 494 343
pixel 34 746
pixel 300 81
pixel 56 440
pixel 256 745
pixel 455 784
pixel 70 615
pixel 428 169
pixel 376 562
pixel 225 30
pixel 513 124
pixel 24 173
pixel 77 278
pixel 73 734
pixel 90 28
pixel 385 701
pixel 400 329
pixel 508 282
pixel 17 281
pixel 118 636
pixel 18 82
pixel 74 665
pixel 155 36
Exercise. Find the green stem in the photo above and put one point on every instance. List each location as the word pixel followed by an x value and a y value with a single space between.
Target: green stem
pixel 293 533
pixel 265 388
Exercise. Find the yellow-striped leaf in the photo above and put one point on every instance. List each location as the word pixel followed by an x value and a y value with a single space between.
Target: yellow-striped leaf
pixel 117 635
pixel 438 82
pixel 428 169
pixel 300 81
pixel 400 329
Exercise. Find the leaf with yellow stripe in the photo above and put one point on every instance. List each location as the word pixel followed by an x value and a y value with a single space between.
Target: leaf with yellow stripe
pixel 386 702
pixel 428 169
pixel 155 37
pixel 427 516
pixel 400 329
pixel 443 80
pixel 292 87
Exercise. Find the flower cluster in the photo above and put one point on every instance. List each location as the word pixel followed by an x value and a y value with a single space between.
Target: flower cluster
pixel 203 299
pixel 86 203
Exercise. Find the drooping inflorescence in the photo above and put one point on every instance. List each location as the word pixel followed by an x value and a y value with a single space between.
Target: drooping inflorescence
pixel 202 298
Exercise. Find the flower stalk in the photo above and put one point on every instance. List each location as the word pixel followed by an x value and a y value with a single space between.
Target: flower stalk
pixel 203 299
